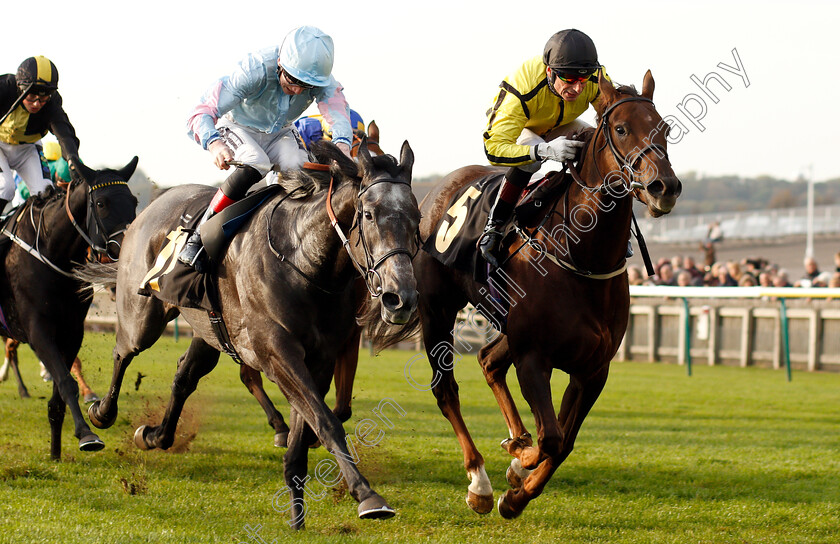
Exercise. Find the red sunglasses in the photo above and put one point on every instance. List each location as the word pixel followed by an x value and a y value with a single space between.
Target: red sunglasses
pixel 572 78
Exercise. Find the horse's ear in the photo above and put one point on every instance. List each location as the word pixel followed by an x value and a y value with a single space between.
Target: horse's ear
pixel 81 172
pixel 647 86
pixel 406 160
pixel 364 156
pixel 373 131
pixel 607 90
pixel 128 169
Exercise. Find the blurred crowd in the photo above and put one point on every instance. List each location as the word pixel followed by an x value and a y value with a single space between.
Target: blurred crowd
pixel 684 271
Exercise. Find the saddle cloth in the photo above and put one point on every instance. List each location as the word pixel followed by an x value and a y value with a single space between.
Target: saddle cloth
pixel 453 241
pixel 176 283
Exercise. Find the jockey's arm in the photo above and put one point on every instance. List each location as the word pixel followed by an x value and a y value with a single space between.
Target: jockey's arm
pixel 335 111
pixel 222 96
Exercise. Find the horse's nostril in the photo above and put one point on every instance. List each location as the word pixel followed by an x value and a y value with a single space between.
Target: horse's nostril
pixel 391 301
pixel 656 188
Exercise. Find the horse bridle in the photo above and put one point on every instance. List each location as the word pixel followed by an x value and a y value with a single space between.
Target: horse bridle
pixel 93 219
pixel 624 162
pixel 369 272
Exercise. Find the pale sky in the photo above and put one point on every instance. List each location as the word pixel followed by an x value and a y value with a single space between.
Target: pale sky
pixel 427 71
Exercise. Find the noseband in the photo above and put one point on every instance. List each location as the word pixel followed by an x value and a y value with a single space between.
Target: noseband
pixel 369 270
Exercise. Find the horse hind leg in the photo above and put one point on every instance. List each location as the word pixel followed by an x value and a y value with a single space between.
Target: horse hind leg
pixel 437 320
pixel 253 381
pixel 198 361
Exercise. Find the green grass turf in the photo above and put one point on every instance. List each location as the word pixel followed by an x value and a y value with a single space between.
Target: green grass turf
pixel 727 455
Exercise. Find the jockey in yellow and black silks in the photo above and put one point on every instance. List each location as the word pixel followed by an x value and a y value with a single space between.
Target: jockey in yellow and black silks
pixel 31 107
pixel 535 107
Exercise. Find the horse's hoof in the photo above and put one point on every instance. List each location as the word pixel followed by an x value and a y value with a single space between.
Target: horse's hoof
pixel 91 397
pixel 480 504
pixel 513 479
pixel 504 507
pixel 281 440
pixel 375 507
pixel 139 440
pixel 90 442
pixel 93 416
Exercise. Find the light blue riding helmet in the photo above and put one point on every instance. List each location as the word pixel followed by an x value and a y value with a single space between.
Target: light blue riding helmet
pixel 307 54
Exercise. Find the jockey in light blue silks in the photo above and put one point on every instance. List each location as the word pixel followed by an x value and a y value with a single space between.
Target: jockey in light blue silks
pixel 247 116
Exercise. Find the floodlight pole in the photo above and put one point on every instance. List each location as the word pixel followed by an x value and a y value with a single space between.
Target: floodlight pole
pixel 809 246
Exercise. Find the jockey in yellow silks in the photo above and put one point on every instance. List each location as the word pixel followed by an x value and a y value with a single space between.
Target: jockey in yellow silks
pixel 535 108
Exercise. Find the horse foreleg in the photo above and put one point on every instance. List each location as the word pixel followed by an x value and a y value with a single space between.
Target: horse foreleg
pixel 55 414
pixel 85 390
pixel 141 321
pixel 578 399
pixel 294 472
pixel 535 382
pixel 12 359
pixel 495 361
pixel 253 381
pixel 103 413
pixel 345 374
pixel 198 361
pixel 65 386
pixel 287 369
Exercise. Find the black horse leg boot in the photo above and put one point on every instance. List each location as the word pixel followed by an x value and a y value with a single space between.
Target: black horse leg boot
pixel 512 186
pixel 233 189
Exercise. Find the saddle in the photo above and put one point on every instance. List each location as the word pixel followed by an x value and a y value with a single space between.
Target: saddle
pixel 454 244
pixel 176 283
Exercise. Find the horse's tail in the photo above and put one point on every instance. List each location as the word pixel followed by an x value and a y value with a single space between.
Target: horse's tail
pixel 97 275
pixel 383 335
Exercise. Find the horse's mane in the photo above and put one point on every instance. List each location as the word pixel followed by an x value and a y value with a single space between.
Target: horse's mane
pixel 50 194
pixel 305 182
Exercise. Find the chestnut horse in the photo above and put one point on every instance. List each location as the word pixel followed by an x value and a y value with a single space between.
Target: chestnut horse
pixel 567 291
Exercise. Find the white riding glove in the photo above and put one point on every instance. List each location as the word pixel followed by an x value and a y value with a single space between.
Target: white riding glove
pixel 560 149
pixel 221 153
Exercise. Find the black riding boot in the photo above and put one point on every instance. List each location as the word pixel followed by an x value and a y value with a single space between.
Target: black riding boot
pixel 233 189
pixel 512 186
pixel 3 203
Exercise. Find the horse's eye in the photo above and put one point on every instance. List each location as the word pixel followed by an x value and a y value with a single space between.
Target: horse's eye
pixel 620 130
pixel 100 204
pixel 368 215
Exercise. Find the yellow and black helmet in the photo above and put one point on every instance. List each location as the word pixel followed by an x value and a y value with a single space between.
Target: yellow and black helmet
pixel 37 73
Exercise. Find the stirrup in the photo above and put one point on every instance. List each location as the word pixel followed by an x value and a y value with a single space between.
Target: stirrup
pixel 488 244
pixel 191 254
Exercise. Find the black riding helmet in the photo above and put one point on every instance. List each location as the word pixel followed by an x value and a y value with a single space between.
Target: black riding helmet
pixel 37 75
pixel 571 51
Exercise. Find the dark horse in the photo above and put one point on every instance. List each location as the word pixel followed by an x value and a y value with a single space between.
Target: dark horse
pixel 565 280
pixel 287 297
pixel 345 366
pixel 43 303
